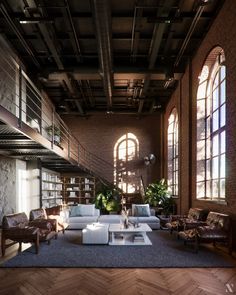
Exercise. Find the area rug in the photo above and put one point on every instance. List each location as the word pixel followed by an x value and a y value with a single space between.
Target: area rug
pixel 166 251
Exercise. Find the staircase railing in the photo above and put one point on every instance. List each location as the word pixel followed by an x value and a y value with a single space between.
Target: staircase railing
pixel 30 111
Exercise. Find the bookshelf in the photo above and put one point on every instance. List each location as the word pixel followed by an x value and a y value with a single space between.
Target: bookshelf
pixel 78 189
pixel 51 188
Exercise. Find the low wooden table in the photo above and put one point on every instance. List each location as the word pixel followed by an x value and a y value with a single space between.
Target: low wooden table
pixel 132 236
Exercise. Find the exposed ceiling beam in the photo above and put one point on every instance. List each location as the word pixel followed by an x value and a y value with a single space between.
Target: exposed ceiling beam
pixel 73 91
pixel 154 47
pixel 102 15
pixel 129 75
pixel 66 35
pixel 89 93
pixel 44 31
pixel 18 34
pixel 136 28
pixel 189 33
pixel 57 14
pixel 72 33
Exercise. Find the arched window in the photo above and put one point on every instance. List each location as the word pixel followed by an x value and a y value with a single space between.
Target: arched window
pixel 173 153
pixel 211 131
pixel 125 153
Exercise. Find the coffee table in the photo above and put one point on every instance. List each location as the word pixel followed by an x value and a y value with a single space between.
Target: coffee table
pixel 132 236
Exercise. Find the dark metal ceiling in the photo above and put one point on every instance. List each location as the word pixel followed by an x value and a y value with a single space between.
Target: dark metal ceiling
pixel 113 56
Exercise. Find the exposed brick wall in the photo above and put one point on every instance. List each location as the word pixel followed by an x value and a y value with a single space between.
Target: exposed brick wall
pixel 222 33
pixel 99 134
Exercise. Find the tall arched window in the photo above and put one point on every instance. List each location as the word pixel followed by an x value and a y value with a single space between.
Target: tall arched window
pixel 173 153
pixel 211 131
pixel 126 151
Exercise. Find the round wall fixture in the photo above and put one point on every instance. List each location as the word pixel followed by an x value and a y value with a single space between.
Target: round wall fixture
pixel 150 159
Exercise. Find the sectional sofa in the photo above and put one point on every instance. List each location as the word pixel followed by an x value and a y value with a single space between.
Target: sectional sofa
pixel 79 216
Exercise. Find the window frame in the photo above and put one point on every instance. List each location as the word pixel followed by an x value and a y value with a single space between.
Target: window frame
pixel 215 91
pixel 173 153
pixel 124 173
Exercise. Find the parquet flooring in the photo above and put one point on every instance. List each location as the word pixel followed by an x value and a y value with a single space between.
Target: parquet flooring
pixel 94 281
pixel 104 281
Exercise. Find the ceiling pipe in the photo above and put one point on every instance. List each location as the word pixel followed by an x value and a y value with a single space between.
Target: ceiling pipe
pixel 73 30
pixel 102 15
pixel 44 31
pixel 154 49
pixel 70 85
pixel 18 34
pixel 189 34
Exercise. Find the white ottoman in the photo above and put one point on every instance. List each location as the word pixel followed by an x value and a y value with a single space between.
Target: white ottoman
pixel 95 233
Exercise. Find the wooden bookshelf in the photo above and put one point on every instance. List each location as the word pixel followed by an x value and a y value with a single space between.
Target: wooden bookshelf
pixel 78 189
pixel 51 188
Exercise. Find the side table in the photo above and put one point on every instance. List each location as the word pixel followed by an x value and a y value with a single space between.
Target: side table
pixel 163 220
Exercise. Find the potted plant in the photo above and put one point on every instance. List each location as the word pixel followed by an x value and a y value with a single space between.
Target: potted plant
pixel 157 196
pixel 112 206
pixel 108 199
pixel 57 133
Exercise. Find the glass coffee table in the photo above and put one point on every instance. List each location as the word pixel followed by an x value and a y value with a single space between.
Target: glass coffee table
pixel 132 236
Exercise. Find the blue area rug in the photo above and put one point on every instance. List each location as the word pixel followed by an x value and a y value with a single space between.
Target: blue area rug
pixel 166 251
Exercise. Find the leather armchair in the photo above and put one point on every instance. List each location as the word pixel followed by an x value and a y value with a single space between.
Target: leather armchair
pixel 60 215
pixel 195 218
pixel 18 229
pixel 217 229
pixel 52 215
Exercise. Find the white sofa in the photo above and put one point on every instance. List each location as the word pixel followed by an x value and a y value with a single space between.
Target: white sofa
pixel 88 214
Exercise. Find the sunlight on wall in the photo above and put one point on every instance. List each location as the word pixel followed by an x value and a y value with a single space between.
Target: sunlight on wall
pixel 126 151
pixel 21 191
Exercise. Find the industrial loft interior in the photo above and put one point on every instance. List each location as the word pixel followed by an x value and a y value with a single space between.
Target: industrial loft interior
pixel 117 146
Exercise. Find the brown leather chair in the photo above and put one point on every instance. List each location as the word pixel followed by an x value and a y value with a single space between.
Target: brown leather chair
pixel 55 212
pixel 52 215
pixel 195 218
pixel 18 229
pixel 217 229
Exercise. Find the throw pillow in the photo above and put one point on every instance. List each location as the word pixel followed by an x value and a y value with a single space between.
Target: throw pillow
pixel 74 211
pixel 87 210
pixel 142 210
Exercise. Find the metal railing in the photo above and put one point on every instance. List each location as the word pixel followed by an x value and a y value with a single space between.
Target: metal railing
pixel 21 98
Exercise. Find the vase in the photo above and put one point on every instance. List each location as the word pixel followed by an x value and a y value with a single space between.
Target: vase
pixel 126 222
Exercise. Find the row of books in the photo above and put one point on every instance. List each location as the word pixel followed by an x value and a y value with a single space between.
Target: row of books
pixel 138 238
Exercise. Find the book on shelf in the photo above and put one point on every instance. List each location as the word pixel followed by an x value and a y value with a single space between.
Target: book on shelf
pixel 138 238
pixel 138 241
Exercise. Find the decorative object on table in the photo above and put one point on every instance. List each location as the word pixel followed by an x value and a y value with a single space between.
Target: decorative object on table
pixel 136 223
pixel 123 202
pixel 125 216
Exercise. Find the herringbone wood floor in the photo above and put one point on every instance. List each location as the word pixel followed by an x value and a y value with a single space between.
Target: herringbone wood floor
pixel 95 281
pixel 117 281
